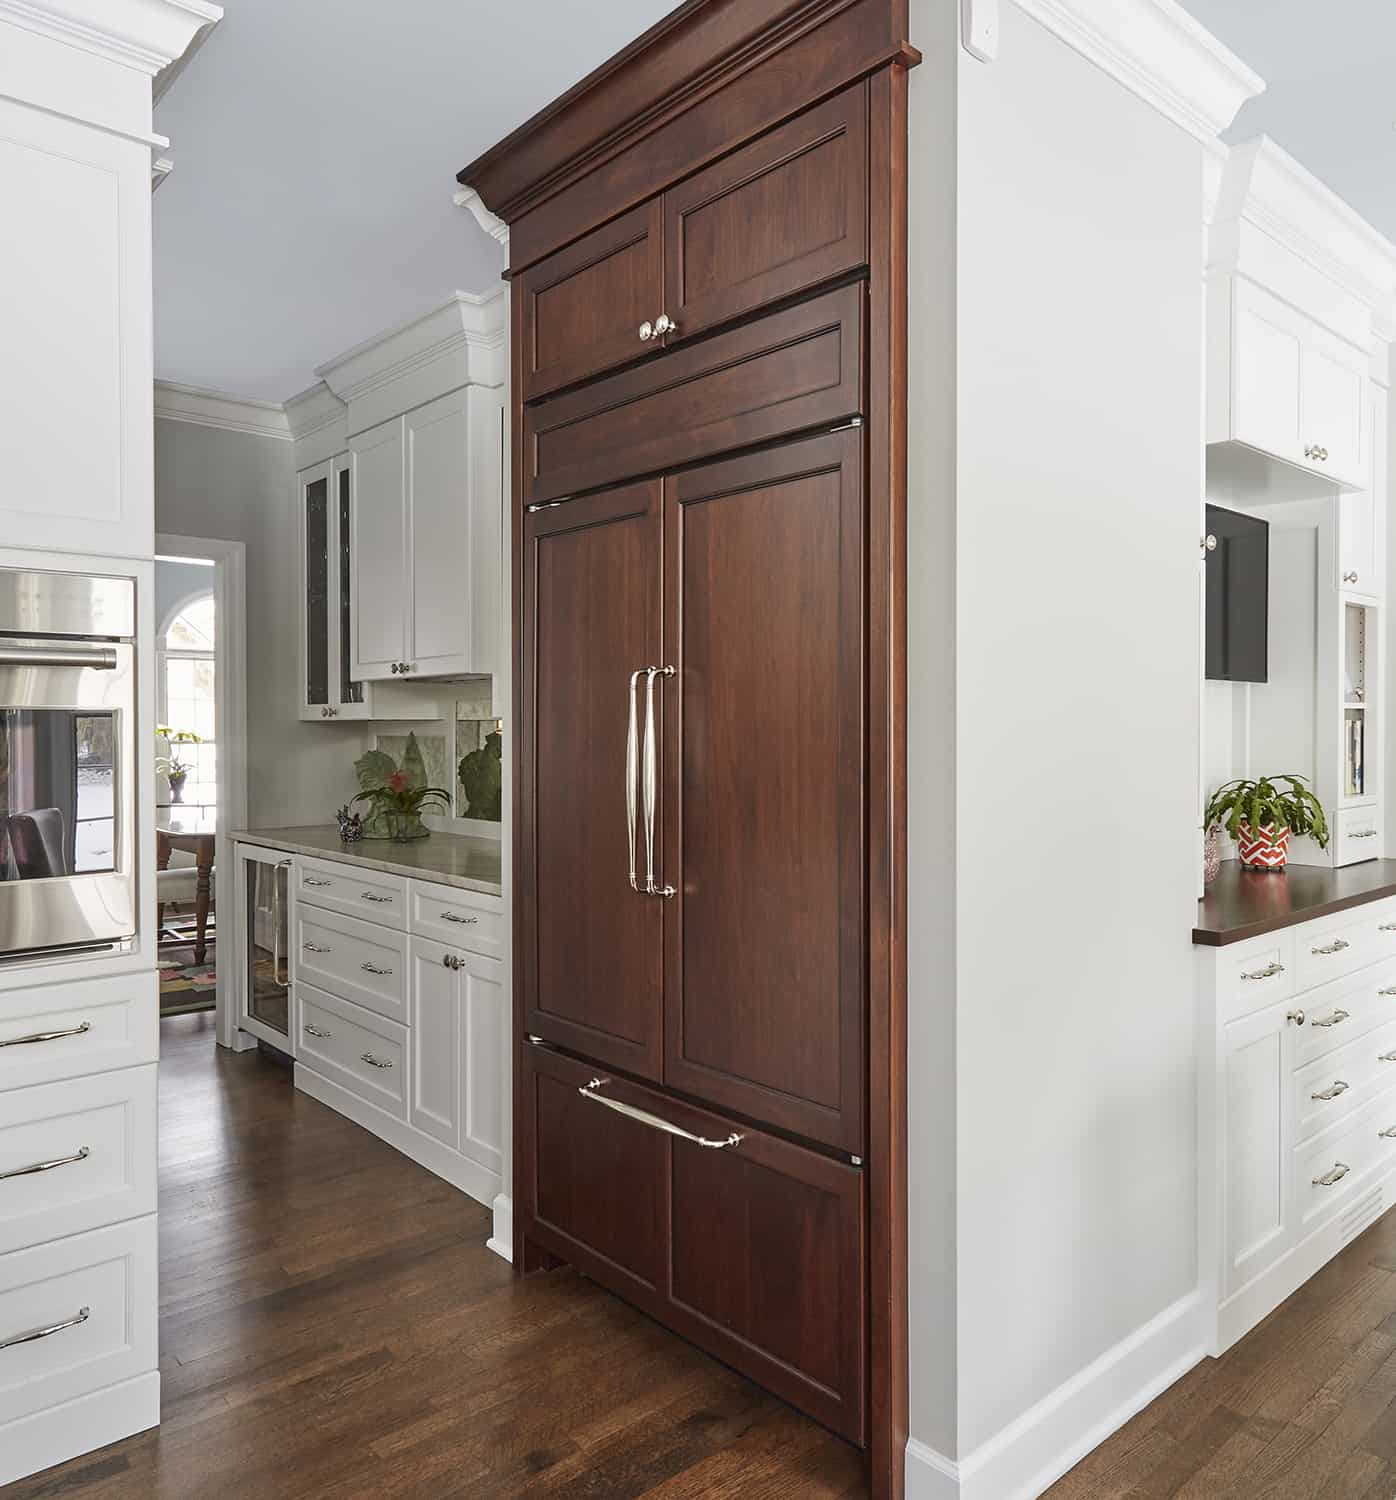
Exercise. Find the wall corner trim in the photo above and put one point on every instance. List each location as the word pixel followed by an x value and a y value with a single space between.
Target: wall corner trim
pixel 1159 52
pixel 1037 1448
pixel 205 408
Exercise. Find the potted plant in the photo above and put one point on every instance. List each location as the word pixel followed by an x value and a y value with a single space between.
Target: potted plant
pixel 402 804
pixel 171 766
pixel 1261 815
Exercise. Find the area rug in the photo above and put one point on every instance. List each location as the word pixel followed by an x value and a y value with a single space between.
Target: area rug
pixel 184 985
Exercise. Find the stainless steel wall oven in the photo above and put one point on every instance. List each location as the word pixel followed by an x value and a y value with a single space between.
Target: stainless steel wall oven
pixel 67 762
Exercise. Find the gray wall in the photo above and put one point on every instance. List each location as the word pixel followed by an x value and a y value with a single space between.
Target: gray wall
pixel 235 486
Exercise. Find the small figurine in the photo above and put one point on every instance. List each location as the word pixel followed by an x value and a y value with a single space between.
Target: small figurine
pixel 351 825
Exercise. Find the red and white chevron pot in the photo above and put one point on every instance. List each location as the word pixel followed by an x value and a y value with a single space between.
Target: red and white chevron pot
pixel 1266 850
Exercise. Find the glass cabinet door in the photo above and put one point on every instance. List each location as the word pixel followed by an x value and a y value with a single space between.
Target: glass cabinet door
pixel 315 623
pixel 264 931
pixel 351 693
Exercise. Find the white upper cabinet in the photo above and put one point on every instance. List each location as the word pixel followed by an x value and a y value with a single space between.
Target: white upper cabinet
pixel 1285 386
pixel 378 546
pixel 1362 518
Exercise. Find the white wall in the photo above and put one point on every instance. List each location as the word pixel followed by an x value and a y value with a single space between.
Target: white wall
pixel 1079 454
pixel 240 487
pixel 176 584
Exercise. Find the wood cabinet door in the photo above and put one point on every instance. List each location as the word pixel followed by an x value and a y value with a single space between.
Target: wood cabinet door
pixel 583 307
pixel 763 787
pixel 378 552
pixel 771 220
pixel 592 946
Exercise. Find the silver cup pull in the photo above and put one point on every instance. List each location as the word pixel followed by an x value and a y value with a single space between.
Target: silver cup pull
pixel 1335 1173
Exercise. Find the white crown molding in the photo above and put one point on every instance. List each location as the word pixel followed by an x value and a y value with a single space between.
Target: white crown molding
pixel 1159 52
pixel 493 226
pixel 312 410
pixel 1266 186
pixel 160 169
pixel 464 322
pixel 143 34
pixel 204 408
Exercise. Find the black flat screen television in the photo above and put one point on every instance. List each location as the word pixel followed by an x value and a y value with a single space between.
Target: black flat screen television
pixel 1238 597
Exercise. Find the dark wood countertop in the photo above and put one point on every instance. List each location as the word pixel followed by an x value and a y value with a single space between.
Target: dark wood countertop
pixel 1242 904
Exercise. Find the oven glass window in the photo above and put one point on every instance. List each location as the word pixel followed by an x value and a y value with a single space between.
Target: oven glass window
pixel 57 793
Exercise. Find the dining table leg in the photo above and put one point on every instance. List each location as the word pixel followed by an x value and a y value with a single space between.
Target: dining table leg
pixel 202 888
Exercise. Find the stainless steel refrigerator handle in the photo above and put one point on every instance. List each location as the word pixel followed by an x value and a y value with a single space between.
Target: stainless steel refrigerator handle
pixel 284 864
pixel 99 658
pixel 632 770
pixel 589 1091
pixel 651 783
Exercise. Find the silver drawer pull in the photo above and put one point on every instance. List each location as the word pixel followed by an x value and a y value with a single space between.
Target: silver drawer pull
pixel 47 1036
pixel 1335 1173
pixel 42 1333
pixel 1336 946
pixel 388 900
pixel 315 947
pixel 315 1031
pixel 374 969
pixel 1389 990
pixel 1389 1134
pixel 47 1166
pixel 1335 1019
pixel 1332 1091
pixel 374 1062
pixel 1387 927
pixel 317 883
pixel 1387 1057
pixel 588 1091
pixel 1365 833
pixel 450 916
pixel 1268 972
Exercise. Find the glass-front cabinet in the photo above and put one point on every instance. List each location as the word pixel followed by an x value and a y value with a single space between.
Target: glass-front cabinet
pixel 263 893
pixel 326 690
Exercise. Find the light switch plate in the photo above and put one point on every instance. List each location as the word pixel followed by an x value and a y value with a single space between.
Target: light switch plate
pixel 979 28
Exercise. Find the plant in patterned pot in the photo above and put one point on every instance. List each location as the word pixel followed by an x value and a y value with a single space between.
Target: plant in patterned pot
pixel 1261 816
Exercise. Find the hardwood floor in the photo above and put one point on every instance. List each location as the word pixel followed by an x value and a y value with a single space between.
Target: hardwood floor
pixel 333 1325
pixel 1303 1408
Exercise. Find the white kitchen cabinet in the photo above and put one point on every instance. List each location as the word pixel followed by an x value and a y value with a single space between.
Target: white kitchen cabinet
pixel 457 1040
pixel 427 540
pixel 1285 387
pixel 1362 518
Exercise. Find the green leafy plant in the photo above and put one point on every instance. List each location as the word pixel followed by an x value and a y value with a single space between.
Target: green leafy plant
pixel 398 795
pixel 171 765
pixel 1263 804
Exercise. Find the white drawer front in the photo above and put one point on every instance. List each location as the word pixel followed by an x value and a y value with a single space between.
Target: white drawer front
pixel 73 1030
pixel 76 1155
pixel 354 960
pixel 1340 1013
pixel 1335 946
pixel 1359 835
pixel 354 1048
pixel 460 919
pixel 102 1285
pixel 1343 1080
pixel 1255 973
pixel 366 894
pixel 1328 1168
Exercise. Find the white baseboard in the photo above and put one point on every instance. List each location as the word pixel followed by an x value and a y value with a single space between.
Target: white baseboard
pixel 1036 1449
pixel 502 1240
pixel 460 1171
pixel 79 1426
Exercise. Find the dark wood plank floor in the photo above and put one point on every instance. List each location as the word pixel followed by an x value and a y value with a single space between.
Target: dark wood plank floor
pixel 1302 1408
pixel 331 1324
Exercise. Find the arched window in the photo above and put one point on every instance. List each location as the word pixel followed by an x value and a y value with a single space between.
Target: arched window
pixel 186 683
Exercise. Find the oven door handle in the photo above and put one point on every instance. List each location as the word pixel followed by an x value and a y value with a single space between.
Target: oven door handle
pixel 99 658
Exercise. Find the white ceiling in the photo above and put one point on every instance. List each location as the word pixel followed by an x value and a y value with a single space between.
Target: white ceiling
pixel 1329 99
pixel 316 144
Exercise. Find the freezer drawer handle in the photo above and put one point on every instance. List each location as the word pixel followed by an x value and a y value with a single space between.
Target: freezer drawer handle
pixel 81 1154
pixel 1335 1173
pixel 42 1333
pixel 47 1036
pixel 98 658
pixel 588 1091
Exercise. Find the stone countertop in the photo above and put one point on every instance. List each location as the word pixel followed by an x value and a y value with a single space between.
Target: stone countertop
pixel 1242 904
pixel 472 864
